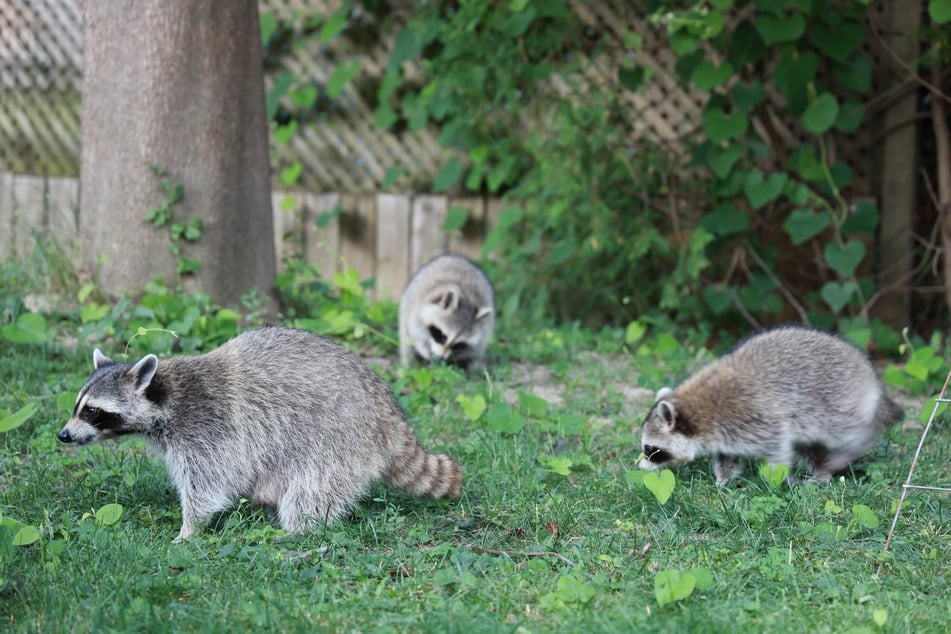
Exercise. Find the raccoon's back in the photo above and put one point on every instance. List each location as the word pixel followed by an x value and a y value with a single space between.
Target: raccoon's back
pixel 449 268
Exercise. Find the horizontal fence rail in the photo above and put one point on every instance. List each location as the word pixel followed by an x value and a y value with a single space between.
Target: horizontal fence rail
pixel 383 236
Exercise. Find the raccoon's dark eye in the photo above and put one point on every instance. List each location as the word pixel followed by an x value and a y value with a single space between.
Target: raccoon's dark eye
pixel 655 455
pixel 92 412
pixel 438 335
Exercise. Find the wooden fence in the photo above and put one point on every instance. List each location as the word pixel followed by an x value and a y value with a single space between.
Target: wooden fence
pixel 383 236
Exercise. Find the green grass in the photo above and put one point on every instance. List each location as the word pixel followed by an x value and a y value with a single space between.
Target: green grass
pixel 526 549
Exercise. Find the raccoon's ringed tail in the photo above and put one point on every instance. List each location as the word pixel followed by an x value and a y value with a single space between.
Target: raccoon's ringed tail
pixel 424 474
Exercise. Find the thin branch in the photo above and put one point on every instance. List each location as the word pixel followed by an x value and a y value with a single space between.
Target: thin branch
pixel 803 316
pixel 911 71
pixel 518 553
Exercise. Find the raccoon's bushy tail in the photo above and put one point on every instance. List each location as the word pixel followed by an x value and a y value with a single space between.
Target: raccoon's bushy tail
pixel 888 413
pixel 423 474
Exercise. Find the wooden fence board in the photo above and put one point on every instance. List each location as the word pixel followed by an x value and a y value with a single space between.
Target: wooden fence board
pixel 428 241
pixel 392 245
pixel 358 234
pixel 62 211
pixel 6 216
pixel 321 236
pixel 29 212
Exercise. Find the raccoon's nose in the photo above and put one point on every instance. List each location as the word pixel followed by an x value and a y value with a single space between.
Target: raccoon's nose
pixel 64 436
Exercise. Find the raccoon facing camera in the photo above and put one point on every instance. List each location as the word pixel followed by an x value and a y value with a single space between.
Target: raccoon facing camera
pixel 447 314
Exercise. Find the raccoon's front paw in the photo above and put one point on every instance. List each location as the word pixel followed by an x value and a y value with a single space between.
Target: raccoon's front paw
pixel 725 468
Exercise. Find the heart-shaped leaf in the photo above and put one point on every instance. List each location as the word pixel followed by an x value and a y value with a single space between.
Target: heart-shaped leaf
pixel 473 406
pixel 660 483
pixel 844 259
pixel 881 616
pixel 18 417
pixel 838 294
pixel 108 514
pixel 865 516
pixel 803 224
pixel 26 536
pixel 774 29
pixel 28 328
pixel 722 161
pixel 502 419
pixel 725 220
pixel 673 585
pixel 821 114
pixel 760 190
pixel 707 76
pixel 721 126
pixel 940 11
pixel 775 475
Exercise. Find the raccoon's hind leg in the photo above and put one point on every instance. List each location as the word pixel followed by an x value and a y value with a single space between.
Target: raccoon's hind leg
pixel 310 502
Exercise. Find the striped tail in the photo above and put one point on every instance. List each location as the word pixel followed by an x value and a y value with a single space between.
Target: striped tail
pixel 424 474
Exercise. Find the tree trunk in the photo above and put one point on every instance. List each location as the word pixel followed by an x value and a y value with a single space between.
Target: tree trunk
pixel 175 85
pixel 942 138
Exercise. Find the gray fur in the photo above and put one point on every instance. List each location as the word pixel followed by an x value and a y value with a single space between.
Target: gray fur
pixel 280 416
pixel 789 395
pixel 447 313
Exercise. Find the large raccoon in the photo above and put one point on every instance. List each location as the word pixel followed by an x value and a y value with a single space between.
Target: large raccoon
pixel 790 396
pixel 447 313
pixel 277 415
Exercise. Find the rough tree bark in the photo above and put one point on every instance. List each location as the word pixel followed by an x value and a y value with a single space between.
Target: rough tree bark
pixel 176 85
pixel 942 137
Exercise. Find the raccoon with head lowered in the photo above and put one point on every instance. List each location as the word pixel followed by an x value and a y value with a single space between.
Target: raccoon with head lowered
pixel 790 396
pixel 277 415
pixel 447 313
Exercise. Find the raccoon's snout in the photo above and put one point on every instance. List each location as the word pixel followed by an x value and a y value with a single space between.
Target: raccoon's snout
pixel 656 455
pixel 64 435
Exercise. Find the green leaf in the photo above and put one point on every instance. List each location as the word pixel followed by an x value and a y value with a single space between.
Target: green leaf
pixel 775 29
pixel 721 161
pixel 473 407
pixel 803 224
pixel 26 536
pixel 290 174
pixel 821 114
pixel 533 404
pixel 672 585
pixel 342 76
pixel 880 615
pixel 28 328
pixel 844 259
pixel 863 218
pixel 706 76
pixel 703 577
pixel 838 294
pixel 570 590
pixel 855 73
pixel 720 126
pixel 747 96
pixel 839 41
pixel 268 26
pixel 449 176
pixel 635 331
pixel 774 475
pixel 725 220
pixel 557 464
pixel 335 24
pixel 392 175
pixel 865 516
pixel 940 11
pixel 793 72
pixel 760 191
pixel 502 419
pixel 456 218
pixel 851 115
pixel 17 418
pixel 304 97
pixel 108 514
pixel 631 78
pixel 660 483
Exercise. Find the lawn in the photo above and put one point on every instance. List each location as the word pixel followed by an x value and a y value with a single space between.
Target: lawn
pixel 555 531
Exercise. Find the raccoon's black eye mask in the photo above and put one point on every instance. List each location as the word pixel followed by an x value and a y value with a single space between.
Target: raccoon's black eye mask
pixel 438 335
pixel 655 455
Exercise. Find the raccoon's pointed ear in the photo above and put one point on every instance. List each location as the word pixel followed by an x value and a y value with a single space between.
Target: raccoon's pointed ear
pixel 99 359
pixel 143 371
pixel 485 311
pixel 663 393
pixel 667 413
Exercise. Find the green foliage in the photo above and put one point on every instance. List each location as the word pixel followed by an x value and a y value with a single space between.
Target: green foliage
pixel 179 233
